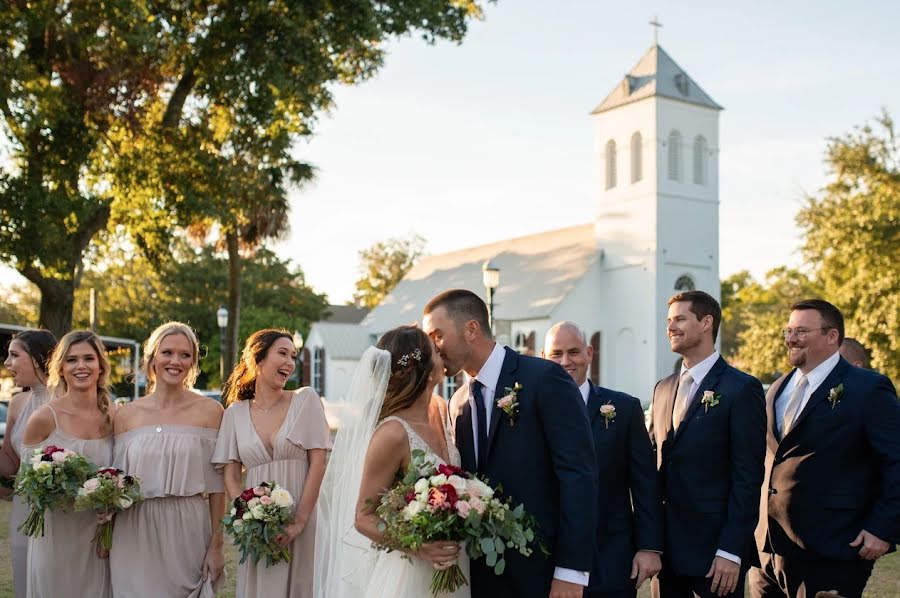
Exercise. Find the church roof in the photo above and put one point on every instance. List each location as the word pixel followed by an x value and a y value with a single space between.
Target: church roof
pixel 345 314
pixel 342 341
pixel 656 74
pixel 536 273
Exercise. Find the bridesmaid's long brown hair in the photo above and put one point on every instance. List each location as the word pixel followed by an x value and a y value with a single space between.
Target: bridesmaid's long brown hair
pixel 241 384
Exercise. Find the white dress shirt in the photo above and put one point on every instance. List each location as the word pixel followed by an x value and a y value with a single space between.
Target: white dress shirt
pixel 814 378
pixel 698 373
pixel 585 390
pixel 489 376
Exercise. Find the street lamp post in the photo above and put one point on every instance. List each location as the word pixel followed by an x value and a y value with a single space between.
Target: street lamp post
pixel 491 278
pixel 222 321
pixel 298 344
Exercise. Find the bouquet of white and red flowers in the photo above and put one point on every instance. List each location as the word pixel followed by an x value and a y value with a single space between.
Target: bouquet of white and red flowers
pixel 446 503
pixel 108 492
pixel 50 479
pixel 256 518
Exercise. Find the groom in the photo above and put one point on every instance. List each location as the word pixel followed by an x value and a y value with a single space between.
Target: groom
pixel 536 444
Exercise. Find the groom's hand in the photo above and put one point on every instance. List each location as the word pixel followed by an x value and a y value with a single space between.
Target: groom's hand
pixel 565 589
pixel 645 565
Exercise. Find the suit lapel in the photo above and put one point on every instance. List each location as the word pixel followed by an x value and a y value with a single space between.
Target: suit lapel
pixel 771 423
pixel 506 379
pixel 833 379
pixel 464 439
pixel 595 401
pixel 709 382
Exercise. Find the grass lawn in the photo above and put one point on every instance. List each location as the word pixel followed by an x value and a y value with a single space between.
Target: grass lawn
pixel 885 581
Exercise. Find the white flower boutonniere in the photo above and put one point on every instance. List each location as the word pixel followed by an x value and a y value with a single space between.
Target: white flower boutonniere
pixel 710 399
pixel 510 403
pixel 608 412
pixel 835 395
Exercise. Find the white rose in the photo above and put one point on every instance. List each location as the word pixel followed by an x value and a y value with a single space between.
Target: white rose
pixel 421 485
pixel 247 516
pixel 35 458
pixel 486 491
pixel 233 511
pixel 282 498
pixel 252 502
pixel 258 512
pixel 41 465
pixel 125 502
pixel 458 483
pixel 90 485
pixel 438 480
pixel 412 509
pixel 58 456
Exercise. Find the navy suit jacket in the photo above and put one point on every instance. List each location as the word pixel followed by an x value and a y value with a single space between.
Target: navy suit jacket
pixel 711 469
pixel 836 472
pixel 629 507
pixel 545 461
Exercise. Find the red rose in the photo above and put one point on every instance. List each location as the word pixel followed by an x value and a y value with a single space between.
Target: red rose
pixel 449 470
pixel 410 496
pixel 50 449
pixel 111 471
pixel 450 492
pixel 247 495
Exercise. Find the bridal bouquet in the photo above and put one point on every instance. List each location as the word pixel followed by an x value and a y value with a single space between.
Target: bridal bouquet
pixel 442 502
pixel 109 491
pixel 257 516
pixel 50 479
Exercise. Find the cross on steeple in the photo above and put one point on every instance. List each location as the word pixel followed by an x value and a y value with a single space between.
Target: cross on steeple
pixel 656 25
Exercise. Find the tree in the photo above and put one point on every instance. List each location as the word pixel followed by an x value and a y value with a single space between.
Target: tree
pixel 111 107
pixel 852 238
pixel 384 265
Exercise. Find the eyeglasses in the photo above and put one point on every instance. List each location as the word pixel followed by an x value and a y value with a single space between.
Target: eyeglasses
pixel 801 332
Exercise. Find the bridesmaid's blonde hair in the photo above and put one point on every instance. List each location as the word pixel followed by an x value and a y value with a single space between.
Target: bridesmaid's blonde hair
pixel 55 381
pixel 151 348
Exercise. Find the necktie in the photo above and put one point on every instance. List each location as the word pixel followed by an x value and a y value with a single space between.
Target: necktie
pixel 682 396
pixel 481 416
pixel 793 406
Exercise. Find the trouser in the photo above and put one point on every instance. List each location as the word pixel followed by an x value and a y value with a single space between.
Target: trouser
pixel 781 577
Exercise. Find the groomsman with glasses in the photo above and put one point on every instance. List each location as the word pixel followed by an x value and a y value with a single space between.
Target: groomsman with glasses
pixel 830 504
pixel 629 511
pixel 708 428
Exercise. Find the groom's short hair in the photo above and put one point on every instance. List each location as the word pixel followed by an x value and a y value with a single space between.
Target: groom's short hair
pixel 462 306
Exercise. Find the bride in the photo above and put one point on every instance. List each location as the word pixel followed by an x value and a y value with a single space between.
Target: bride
pixel 391 410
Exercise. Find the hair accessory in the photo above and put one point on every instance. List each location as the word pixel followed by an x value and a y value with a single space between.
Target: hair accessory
pixel 404 360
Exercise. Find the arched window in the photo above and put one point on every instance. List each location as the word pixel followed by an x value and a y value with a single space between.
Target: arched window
pixel 674 156
pixel 610 164
pixel 700 160
pixel 685 283
pixel 636 149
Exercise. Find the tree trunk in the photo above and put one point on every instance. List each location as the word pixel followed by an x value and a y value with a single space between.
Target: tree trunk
pixel 57 301
pixel 234 302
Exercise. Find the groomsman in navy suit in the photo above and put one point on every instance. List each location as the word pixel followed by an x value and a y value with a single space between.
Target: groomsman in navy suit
pixel 830 505
pixel 708 425
pixel 629 508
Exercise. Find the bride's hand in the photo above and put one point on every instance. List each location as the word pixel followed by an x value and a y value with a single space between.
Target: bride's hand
pixel 441 554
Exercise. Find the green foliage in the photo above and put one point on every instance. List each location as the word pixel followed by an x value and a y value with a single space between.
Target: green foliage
pixel 48 484
pixel 384 265
pixel 852 238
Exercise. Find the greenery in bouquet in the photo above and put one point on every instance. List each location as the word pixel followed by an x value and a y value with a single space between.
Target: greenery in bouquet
pixel 50 479
pixel 109 491
pixel 257 517
pixel 445 503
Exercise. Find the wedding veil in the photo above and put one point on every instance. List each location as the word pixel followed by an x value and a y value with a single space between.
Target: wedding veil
pixel 345 559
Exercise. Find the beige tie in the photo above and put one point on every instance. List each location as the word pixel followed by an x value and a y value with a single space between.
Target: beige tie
pixel 790 414
pixel 682 396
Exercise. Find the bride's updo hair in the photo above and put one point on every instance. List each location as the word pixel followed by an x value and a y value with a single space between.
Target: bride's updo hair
pixel 411 352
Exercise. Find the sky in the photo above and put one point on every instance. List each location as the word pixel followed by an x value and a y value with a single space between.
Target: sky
pixel 491 139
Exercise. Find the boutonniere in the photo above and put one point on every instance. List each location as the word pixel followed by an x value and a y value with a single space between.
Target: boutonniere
pixel 835 395
pixel 608 412
pixel 710 399
pixel 510 403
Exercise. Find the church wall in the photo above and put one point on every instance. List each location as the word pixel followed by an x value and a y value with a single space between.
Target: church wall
pixel 338 375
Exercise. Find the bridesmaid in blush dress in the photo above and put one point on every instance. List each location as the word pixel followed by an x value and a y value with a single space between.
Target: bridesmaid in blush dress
pixel 169 544
pixel 27 356
pixel 63 562
pixel 279 436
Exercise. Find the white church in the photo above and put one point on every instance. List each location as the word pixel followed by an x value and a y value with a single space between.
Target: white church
pixel 655 232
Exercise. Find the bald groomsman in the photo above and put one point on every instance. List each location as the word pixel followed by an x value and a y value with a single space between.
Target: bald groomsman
pixel 830 505
pixel 629 509
pixel 708 425
pixel 853 351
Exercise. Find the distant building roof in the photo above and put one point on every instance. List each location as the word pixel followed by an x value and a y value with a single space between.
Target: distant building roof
pixel 656 74
pixel 343 341
pixel 345 314
pixel 536 273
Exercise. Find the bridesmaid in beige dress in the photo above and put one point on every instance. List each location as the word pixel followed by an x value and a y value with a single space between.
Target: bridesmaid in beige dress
pixel 279 436
pixel 63 561
pixel 27 357
pixel 169 544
